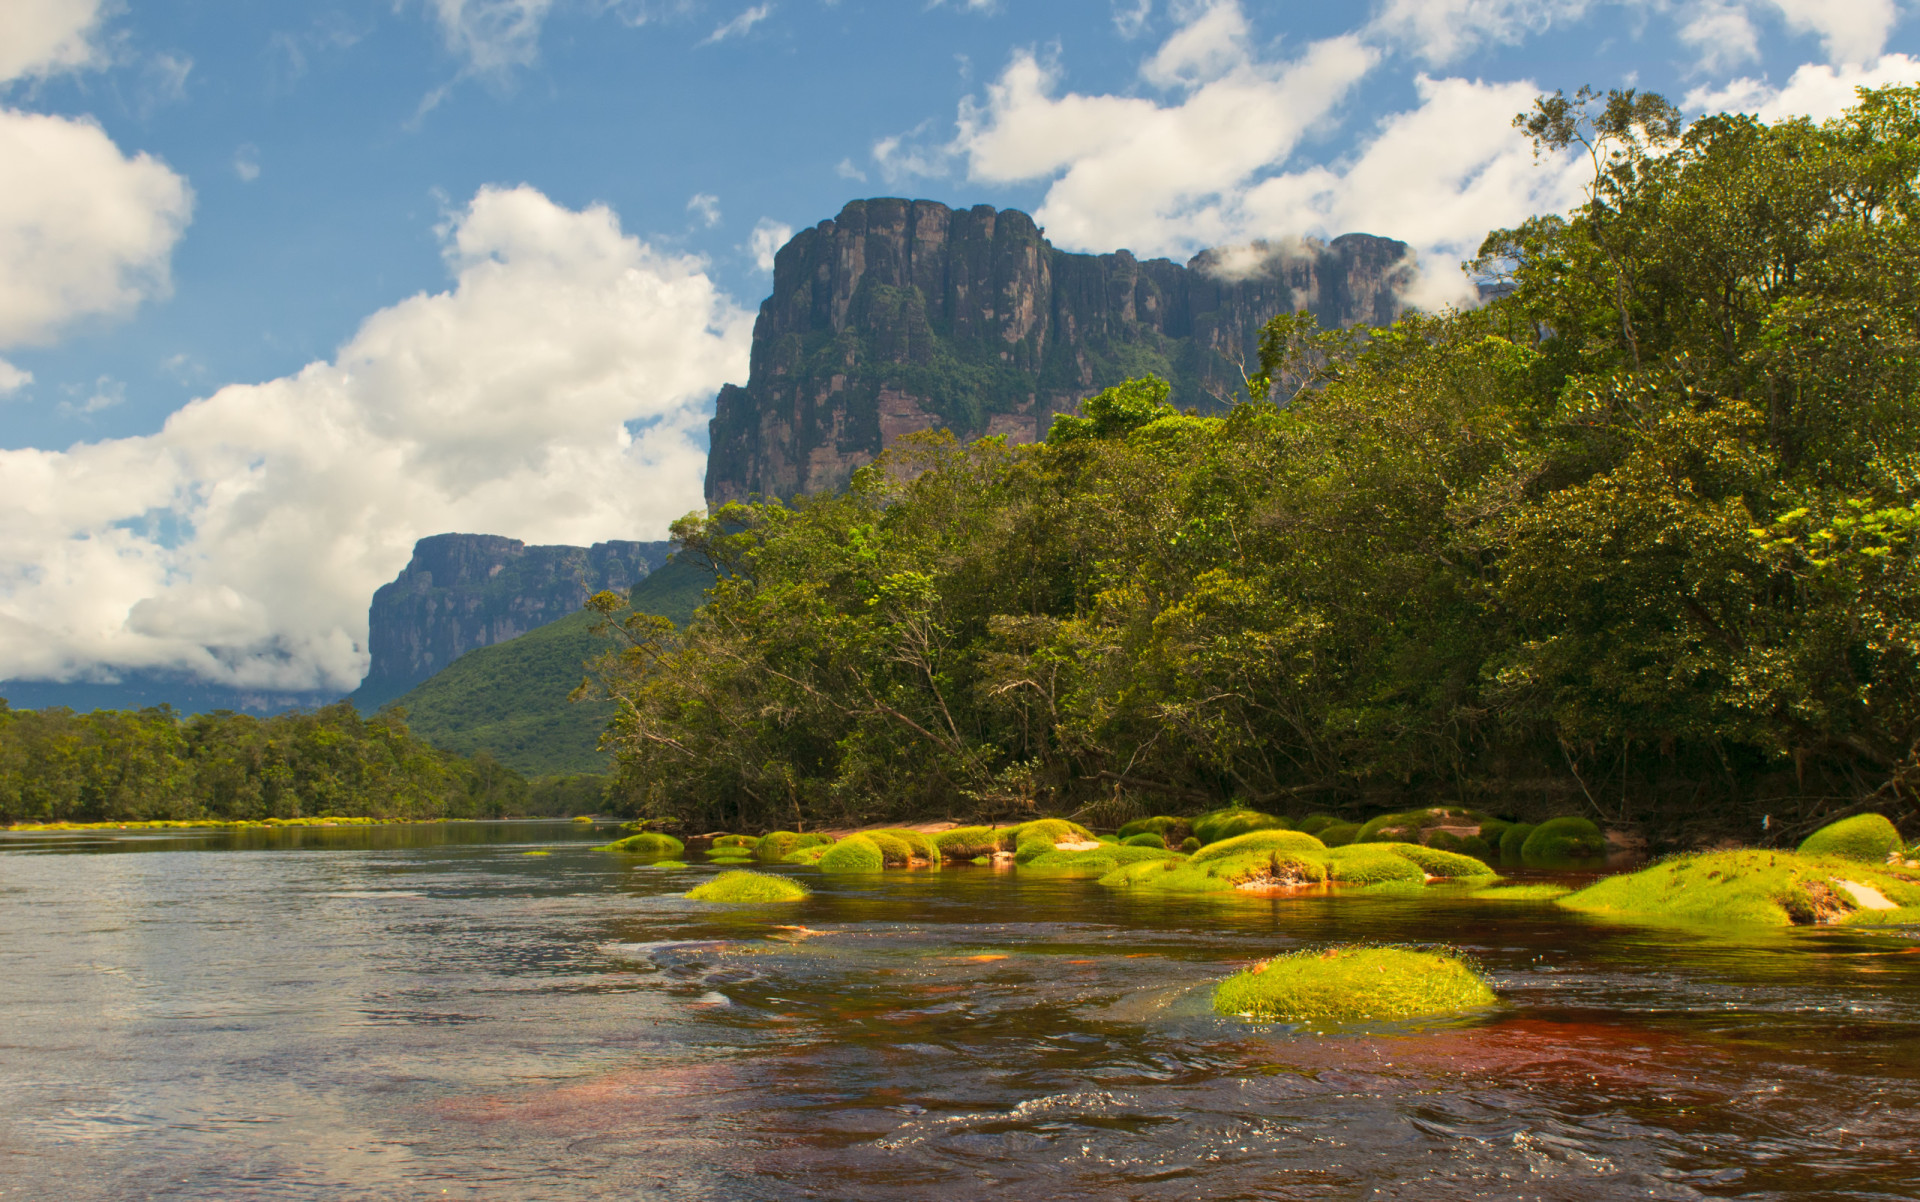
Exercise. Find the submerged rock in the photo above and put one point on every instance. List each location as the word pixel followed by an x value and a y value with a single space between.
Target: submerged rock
pixel 1353 984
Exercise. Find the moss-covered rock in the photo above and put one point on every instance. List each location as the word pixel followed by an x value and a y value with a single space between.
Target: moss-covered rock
pixel 1370 864
pixel 1867 837
pixel 1563 840
pixel 1513 839
pixel 775 846
pixel 1097 862
pixel 810 854
pixel 1259 842
pixel 740 844
pixel 741 887
pixel 1313 824
pixel 1144 839
pixel 855 853
pixel 1354 984
pixel 713 859
pixel 1339 834
pixel 1435 862
pixel 967 842
pixel 895 852
pixel 1471 845
pixel 1753 887
pixel 1036 838
pixel 647 843
pixel 1417 826
pixel 1258 868
pixel 1190 844
pixel 1234 820
pixel 1491 830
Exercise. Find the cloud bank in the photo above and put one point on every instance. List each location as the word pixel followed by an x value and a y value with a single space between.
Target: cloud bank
pixel 554 393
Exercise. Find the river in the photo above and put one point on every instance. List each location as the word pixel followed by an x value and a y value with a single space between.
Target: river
pixel 433 1012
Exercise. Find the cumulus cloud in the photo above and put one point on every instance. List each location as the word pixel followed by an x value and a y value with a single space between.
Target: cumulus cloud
pixel 1721 33
pixel 1213 163
pixel 84 229
pixel 13 379
pixel 46 37
pixel 555 393
pixel 1814 90
pixel 1440 31
pixel 766 240
pixel 1853 31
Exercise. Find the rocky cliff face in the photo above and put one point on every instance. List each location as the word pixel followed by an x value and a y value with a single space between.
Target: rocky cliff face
pixel 462 591
pixel 902 315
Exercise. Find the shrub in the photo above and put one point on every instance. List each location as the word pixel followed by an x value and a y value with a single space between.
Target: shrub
pixel 1351 984
pixel 647 843
pixel 855 853
pixel 1558 840
pixel 1868 837
pixel 1234 820
pixel 741 886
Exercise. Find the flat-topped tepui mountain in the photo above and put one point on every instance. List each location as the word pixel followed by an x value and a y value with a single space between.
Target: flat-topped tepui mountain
pixel 905 315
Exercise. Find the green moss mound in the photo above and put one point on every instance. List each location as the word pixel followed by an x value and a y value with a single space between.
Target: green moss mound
pixel 1259 842
pixel 1252 867
pixel 1521 893
pixel 1190 844
pixel 895 852
pixel 1560 840
pixel 809 854
pixel 1353 984
pixel 1096 863
pixel 1144 839
pixel 1491 830
pixel 1444 864
pixel 855 853
pixel 968 842
pixel 1339 834
pixel 1037 838
pixel 1868 837
pixel 1313 824
pixel 647 843
pixel 1513 839
pixel 1472 845
pixel 741 886
pixel 775 846
pixel 713 859
pixel 1172 831
pixel 1748 887
pixel 919 847
pixel 1370 864
pixel 1234 820
pixel 1412 826
pixel 740 844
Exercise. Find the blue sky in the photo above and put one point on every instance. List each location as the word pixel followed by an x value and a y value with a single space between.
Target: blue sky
pixel 284 287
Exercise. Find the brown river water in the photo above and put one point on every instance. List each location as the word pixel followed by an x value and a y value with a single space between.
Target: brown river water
pixel 430 1012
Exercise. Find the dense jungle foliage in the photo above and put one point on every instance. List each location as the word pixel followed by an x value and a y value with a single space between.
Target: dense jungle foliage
pixel 1635 539
pixel 141 765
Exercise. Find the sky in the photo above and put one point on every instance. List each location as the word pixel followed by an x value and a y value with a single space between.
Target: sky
pixel 285 287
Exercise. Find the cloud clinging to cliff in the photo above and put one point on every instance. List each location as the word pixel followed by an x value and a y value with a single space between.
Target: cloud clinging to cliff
pixel 554 393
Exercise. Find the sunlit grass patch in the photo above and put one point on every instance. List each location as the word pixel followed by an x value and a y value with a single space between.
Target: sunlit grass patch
pixel 1353 984
pixel 647 843
pixel 1752 886
pixel 855 853
pixel 1370 864
pixel 742 886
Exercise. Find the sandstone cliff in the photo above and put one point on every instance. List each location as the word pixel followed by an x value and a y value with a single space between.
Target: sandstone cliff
pixel 462 591
pixel 901 315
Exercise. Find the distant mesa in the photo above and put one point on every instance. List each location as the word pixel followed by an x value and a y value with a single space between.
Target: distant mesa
pixel 465 591
pixel 906 315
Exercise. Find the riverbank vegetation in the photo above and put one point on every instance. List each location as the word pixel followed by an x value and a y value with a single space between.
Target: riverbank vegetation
pixel 1633 541
pixel 120 766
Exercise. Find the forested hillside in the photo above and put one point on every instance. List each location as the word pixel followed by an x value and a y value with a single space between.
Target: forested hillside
pixel 1636 539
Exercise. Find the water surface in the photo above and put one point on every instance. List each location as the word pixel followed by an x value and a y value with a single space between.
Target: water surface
pixel 432 1012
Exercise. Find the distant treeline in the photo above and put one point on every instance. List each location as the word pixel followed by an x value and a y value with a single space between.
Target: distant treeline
pixel 136 765
pixel 1636 539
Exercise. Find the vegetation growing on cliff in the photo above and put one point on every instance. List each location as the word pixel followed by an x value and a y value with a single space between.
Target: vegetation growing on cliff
pixel 133 765
pixel 1634 539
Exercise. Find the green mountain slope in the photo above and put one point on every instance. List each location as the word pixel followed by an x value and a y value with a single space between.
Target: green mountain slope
pixel 510 699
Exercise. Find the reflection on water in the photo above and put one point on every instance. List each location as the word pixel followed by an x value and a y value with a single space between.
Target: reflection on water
pixel 427 1011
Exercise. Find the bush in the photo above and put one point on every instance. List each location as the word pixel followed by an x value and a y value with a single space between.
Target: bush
pixel 741 886
pixel 1560 840
pixel 1234 820
pixel 855 853
pixel 1868 837
pixel 1352 984
pixel 647 843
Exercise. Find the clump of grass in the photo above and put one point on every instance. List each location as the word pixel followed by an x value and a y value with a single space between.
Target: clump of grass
pixel 1434 861
pixel 647 843
pixel 741 886
pixel 855 853
pixel 1145 839
pixel 1513 839
pixel 1526 893
pixel 776 846
pixel 1234 820
pixel 919 847
pixel 968 842
pixel 1258 842
pixel 1750 886
pixel 1096 862
pixel 1370 864
pixel 1353 984
pixel 1868 837
pixel 1339 834
pixel 1560 840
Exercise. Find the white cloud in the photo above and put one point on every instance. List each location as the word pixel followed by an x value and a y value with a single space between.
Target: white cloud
pixel 739 25
pixel 555 393
pixel 83 228
pixel 1130 18
pixel 846 170
pixel 13 379
pixel 766 240
pixel 1815 90
pixel 1853 31
pixel 246 163
pixel 104 393
pixel 492 36
pixel 1721 33
pixel 1440 31
pixel 705 206
pixel 46 37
